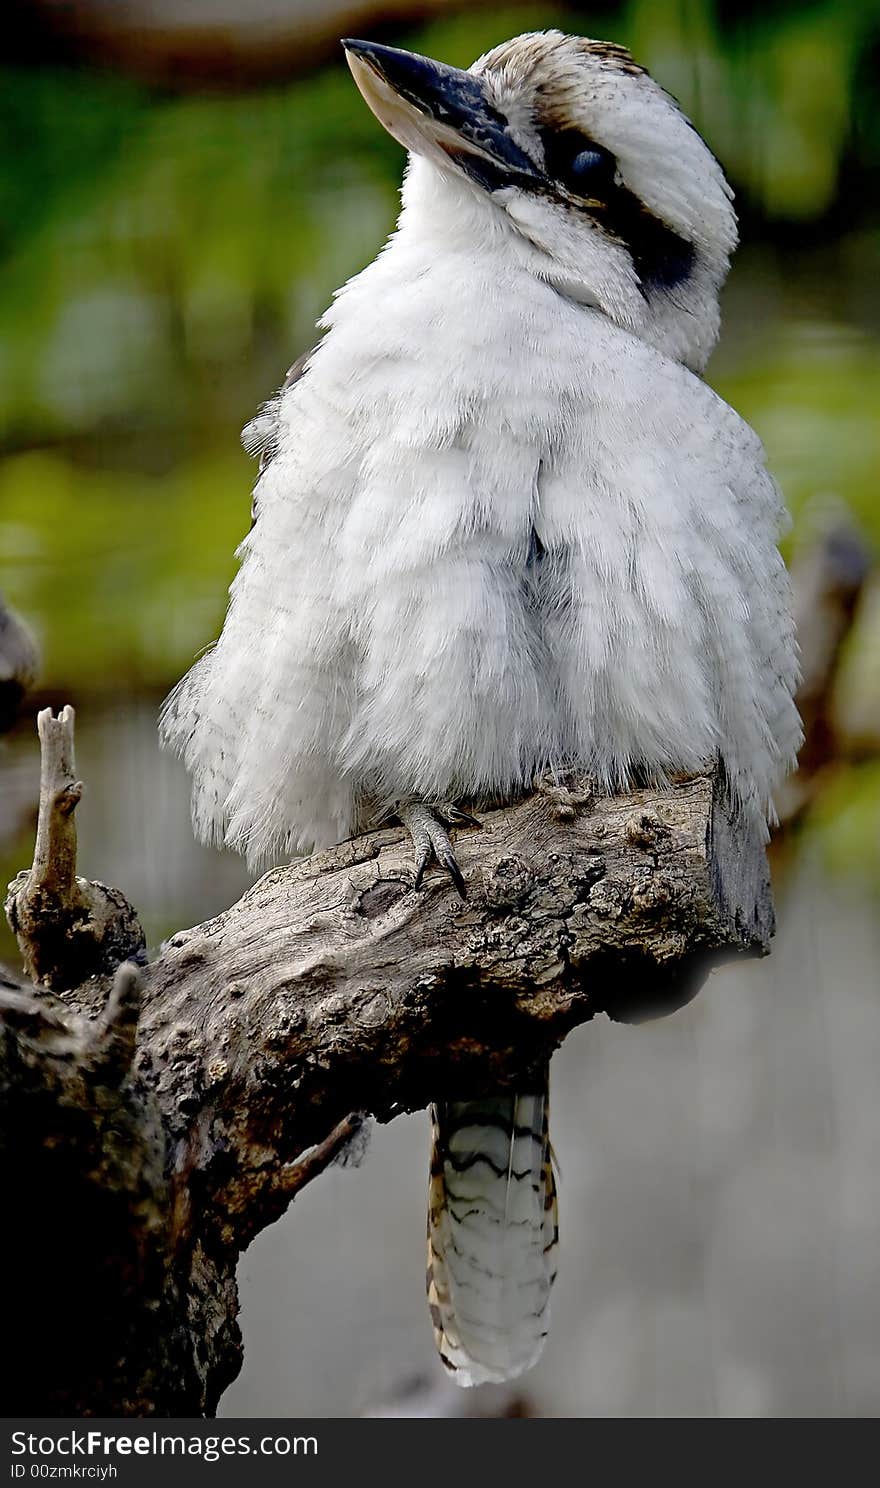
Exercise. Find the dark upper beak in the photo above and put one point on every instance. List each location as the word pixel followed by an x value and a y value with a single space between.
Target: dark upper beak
pixel 469 129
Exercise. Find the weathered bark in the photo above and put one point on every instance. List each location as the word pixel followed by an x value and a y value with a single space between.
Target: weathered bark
pixel 67 928
pixel 331 987
pixel 94 1318
pixel 829 578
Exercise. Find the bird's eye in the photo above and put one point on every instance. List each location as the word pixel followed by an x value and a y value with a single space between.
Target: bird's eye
pixel 587 165
pixel 578 163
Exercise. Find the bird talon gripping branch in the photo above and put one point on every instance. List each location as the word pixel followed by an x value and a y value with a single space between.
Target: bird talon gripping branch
pixel 430 840
pixel 502 472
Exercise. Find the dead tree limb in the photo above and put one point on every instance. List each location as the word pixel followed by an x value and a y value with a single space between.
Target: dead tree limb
pixel 67 928
pixel 829 575
pixel 331 987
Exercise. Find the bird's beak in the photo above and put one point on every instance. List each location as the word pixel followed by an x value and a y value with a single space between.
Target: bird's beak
pixel 428 106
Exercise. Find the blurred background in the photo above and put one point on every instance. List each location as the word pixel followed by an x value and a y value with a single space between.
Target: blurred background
pixel 183 183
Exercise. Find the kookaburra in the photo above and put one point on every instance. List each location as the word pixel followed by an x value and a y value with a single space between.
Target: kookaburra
pixel 502 528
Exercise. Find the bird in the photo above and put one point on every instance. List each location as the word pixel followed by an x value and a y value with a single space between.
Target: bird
pixel 503 529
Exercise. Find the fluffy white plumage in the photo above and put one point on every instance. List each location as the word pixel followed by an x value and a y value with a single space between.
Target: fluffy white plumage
pixel 385 636
pixel 503 527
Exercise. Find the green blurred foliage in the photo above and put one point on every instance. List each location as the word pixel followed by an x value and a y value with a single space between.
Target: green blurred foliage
pixel 165 258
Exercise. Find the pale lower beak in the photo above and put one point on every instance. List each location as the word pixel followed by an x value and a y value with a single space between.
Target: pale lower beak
pixel 421 102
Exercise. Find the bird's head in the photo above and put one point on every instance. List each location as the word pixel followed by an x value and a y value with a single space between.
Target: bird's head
pixel 610 191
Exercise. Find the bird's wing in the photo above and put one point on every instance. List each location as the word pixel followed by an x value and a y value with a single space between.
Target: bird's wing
pixel 260 436
pixel 671 626
pixel 256 717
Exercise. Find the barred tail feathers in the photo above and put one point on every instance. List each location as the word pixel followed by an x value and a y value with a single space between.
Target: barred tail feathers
pixel 492 1234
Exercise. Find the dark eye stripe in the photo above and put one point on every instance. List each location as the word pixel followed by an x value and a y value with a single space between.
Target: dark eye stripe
pixel 575 160
pixel 662 258
pixel 586 170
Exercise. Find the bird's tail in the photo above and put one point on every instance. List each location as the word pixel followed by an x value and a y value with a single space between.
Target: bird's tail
pixel 492 1234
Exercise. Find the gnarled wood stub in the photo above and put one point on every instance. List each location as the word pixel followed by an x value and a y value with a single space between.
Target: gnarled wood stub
pixel 157 1117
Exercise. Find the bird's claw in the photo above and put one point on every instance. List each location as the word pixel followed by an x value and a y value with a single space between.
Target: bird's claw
pixel 431 840
pixel 459 818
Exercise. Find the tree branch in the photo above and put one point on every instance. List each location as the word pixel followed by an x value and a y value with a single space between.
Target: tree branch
pixel 829 577
pixel 68 928
pixel 333 987
pixel 296 1175
pixel 54 867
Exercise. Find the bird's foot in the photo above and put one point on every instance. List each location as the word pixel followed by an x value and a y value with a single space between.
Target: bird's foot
pixel 431 839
